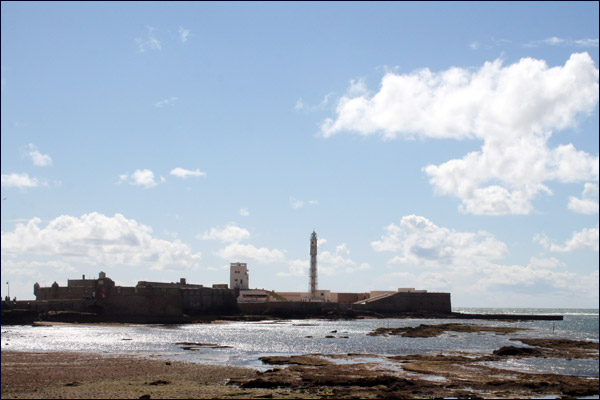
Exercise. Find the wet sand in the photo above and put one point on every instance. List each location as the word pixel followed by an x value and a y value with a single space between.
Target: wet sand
pixel 92 376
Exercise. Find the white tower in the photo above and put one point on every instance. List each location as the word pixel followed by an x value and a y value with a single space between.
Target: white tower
pixel 313 265
pixel 238 276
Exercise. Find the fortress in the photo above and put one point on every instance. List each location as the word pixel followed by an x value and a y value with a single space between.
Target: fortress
pixel 101 300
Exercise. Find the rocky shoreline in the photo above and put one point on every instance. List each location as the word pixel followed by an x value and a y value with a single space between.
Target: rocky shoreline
pixel 442 375
pixel 452 375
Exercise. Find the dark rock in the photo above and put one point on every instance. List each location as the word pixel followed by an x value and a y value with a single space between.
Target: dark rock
pixel 159 382
pixel 517 351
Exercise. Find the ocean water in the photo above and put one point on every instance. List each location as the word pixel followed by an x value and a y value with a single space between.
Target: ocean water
pixel 247 341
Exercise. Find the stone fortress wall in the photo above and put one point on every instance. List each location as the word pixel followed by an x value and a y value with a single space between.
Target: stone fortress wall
pixel 102 296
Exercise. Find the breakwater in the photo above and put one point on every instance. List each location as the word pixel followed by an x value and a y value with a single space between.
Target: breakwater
pixel 508 317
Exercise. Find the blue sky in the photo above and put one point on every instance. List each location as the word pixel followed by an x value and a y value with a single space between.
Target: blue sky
pixel 443 146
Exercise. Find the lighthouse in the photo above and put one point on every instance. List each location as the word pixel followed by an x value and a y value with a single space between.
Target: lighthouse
pixel 313 265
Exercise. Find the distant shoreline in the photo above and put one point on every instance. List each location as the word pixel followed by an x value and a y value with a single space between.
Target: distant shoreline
pixel 26 317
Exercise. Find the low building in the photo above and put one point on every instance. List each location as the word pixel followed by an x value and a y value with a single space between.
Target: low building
pixel 320 295
pixel 253 296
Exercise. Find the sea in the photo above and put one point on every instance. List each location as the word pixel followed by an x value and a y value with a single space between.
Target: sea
pixel 242 343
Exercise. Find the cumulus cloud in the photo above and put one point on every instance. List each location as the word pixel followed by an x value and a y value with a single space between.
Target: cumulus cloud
pixel 468 263
pixel 431 281
pixel 149 42
pixel 19 181
pixel 295 203
pixel 513 109
pixel 244 212
pixel 238 251
pixel 230 233
pixel 420 242
pixel 38 159
pixel 185 173
pixel 329 262
pixel 586 239
pixel 588 203
pixel 97 239
pixel 297 267
pixel 235 250
pixel 141 177
pixel 545 263
pixel 183 34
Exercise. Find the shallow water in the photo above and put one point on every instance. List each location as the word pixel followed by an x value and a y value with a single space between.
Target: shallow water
pixel 251 340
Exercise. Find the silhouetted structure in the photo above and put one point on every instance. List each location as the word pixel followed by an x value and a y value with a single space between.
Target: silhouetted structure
pixel 313 266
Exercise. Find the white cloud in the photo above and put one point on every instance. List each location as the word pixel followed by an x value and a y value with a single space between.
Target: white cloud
pixel 228 234
pixel 98 240
pixel 436 258
pixel 586 42
pixel 237 251
pixel 244 212
pixel 38 159
pixel 141 177
pixel 183 34
pixel 556 41
pixel 185 173
pixel 545 263
pixel 420 242
pixel 165 102
pixel 19 180
pixel 150 42
pixel 586 239
pixel 494 276
pixel 588 203
pixel 328 263
pixel 28 267
pixel 513 109
pixel 324 102
pixel 430 281
pixel 295 203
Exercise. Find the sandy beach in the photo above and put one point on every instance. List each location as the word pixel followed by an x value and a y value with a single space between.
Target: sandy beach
pixel 93 376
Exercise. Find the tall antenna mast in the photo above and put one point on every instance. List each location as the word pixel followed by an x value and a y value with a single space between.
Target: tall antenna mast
pixel 313 265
